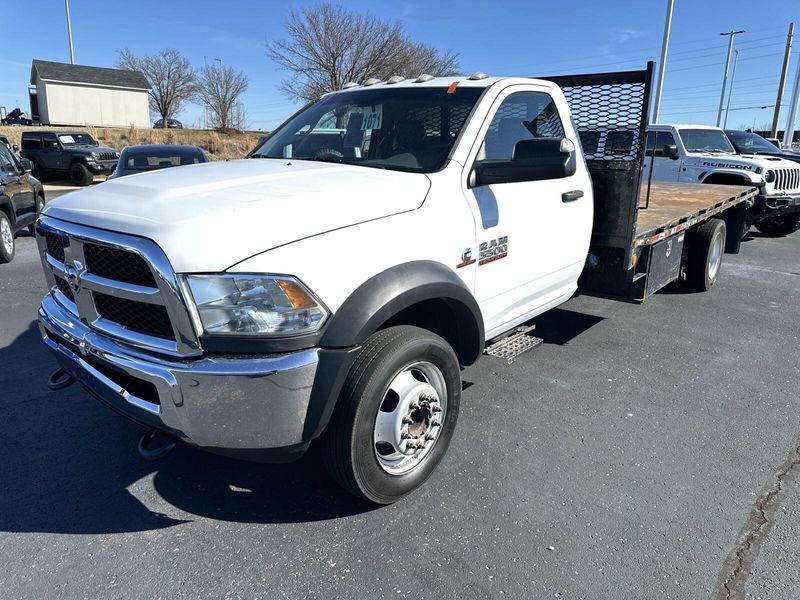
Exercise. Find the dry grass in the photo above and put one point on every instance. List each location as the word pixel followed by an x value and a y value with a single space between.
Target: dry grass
pixel 218 146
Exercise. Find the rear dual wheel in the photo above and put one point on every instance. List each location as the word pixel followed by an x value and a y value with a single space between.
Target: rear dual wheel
pixel 396 415
pixel 7 245
pixel 706 246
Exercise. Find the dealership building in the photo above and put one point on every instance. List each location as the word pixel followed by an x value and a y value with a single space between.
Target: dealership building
pixel 66 94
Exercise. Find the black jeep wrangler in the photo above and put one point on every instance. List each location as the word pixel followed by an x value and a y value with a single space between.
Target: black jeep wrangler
pixel 60 153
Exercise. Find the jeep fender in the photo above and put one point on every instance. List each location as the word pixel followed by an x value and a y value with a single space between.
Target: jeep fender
pixel 376 303
pixel 746 177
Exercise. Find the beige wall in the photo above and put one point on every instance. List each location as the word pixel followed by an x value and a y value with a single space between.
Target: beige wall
pixel 74 104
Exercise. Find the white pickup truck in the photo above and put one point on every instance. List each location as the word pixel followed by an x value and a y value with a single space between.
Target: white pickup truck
pixel 699 153
pixel 332 285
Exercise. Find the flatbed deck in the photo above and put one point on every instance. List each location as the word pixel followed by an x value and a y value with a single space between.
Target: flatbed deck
pixel 674 207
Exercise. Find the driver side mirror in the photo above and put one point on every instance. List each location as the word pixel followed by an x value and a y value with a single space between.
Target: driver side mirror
pixel 15 148
pixel 671 151
pixel 25 164
pixel 532 160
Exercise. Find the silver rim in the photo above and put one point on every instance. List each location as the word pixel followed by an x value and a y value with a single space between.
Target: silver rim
pixel 715 256
pixel 410 417
pixel 6 236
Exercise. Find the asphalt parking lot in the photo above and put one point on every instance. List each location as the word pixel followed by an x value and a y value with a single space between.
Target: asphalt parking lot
pixel 642 452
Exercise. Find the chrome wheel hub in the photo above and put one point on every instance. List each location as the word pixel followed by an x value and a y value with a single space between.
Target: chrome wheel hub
pixel 410 418
pixel 715 255
pixel 6 236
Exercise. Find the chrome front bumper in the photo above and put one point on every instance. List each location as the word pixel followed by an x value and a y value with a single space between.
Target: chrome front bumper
pixel 238 405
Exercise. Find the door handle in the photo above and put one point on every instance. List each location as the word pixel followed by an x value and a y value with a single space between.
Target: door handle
pixel 571 196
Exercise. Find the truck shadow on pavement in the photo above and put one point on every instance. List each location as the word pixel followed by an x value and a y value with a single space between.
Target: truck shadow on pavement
pixel 70 465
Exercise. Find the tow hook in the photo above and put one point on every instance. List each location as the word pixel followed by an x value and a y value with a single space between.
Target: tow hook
pixel 149 450
pixel 60 379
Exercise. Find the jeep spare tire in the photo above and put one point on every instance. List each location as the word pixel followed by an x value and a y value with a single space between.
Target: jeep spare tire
pixel 80 174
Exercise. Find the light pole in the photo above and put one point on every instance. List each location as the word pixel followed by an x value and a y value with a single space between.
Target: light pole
pixel 730 93
pixel 731 35
pixel 788 134
pixel 69 34
pixel 782 83
pixel 662 66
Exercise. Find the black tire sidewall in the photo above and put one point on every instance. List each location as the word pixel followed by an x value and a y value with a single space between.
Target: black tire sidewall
pixel 4 256
pixel 374 483
pixel 85 176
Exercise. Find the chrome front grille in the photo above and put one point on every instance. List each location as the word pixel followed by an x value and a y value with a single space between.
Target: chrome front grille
pixel 119 285
pixel 787 180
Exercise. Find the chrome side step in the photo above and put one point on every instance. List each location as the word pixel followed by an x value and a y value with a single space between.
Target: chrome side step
pixel 511 346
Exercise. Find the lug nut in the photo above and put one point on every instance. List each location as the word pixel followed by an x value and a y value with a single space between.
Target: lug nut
pixel 436 407
pixel 405 436
pixel 414 404
pixel 429 436
pixel 435 423
pixel 407 420
pixel 427 397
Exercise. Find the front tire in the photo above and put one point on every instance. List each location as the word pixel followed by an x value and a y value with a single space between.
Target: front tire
pixel 779 226
pixel 80 174
pixel 706 246
pixel 39 205
pixel 7 245
pixel 396 414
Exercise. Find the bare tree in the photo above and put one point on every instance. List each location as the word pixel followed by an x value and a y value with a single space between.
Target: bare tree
pixel 328 46
pixel 220 89
pixel 172 79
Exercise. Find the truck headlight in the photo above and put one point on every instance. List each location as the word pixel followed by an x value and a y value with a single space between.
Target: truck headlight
pixel 769 176
pixel 260 305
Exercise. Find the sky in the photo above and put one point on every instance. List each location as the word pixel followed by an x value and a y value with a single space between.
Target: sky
pixel 520 38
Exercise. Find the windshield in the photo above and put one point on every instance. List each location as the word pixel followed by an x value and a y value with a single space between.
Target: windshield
pixel 77 139
pixel 706 140
pixel 158 159
pixel 751 143
pixel 403 129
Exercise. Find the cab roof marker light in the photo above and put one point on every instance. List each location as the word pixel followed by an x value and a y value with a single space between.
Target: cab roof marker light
pixel 371 81
pixel 349 84
pixel 395 79
pixel 423 78
pixel 477 76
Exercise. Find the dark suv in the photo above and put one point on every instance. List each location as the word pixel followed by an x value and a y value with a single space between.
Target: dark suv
pixel 72 153
pixel 21 200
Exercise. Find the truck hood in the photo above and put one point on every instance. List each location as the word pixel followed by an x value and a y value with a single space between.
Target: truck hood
pixel 210 216
pixel 739 161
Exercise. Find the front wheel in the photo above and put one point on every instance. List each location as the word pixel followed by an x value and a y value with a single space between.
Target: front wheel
pixel 779 226
pixel 80 174
pixel 6 239
pixel 396 415
pixel 39 205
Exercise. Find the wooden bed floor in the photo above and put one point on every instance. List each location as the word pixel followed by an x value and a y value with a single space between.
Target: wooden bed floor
pixel 672 203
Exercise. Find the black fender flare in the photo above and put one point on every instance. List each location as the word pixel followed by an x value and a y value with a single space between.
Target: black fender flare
pixel 388 293
pixel 368 308
pixel 8 208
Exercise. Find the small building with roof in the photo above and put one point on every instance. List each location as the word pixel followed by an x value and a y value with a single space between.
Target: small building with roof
pixel 67 94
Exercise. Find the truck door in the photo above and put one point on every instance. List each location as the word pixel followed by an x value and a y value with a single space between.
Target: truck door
pixel 16 186
pixel 51 152
pixel 665 167
pixel 532 233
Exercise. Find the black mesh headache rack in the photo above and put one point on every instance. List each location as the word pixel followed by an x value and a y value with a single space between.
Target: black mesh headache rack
pixel 610 113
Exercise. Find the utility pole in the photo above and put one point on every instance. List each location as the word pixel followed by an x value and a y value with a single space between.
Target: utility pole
pixel 662 66
pixel 782 84
pixel 731 35
pixel 69 34
pixel 788 135
pixel 730 93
